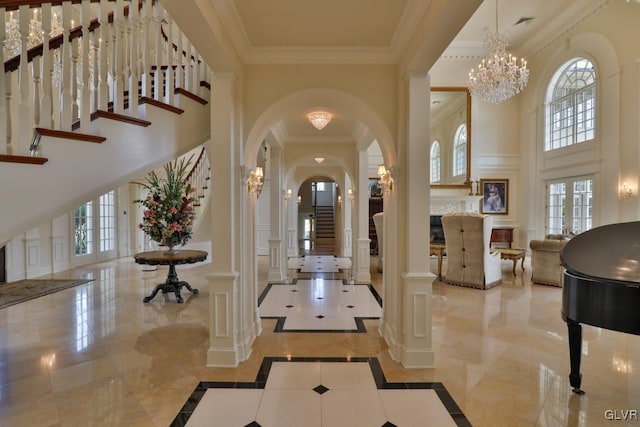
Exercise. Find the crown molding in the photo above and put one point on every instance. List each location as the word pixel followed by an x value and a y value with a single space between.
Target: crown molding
pixel 321 55
pixel 319 140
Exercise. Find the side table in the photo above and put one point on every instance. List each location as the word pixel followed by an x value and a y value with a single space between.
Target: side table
pixel 438 250
pixel 513 255
pixel 172 284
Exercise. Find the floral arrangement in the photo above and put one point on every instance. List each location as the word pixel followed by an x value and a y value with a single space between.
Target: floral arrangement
pixel 168 208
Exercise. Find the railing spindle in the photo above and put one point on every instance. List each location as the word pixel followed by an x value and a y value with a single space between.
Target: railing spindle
pixel 85 85
pixel 24 110
pixel 134 36
pixel 5 121
pixel 46 109
pixel 105 45
pixel 65 75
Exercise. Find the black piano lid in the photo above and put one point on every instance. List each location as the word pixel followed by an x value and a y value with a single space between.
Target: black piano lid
pixel 610 252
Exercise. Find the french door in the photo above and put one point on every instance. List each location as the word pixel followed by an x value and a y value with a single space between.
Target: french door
pixel 94 230
pixel 570 205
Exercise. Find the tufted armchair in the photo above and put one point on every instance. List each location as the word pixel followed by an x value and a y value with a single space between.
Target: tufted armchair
pixel 469 259
pixel 546 268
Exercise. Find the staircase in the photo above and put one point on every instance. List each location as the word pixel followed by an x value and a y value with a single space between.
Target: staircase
pixel 69 133
pixel 325 229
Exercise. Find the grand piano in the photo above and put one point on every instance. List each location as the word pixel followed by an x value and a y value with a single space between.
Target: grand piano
pixel 601 285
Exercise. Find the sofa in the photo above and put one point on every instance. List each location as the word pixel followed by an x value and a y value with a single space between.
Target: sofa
pixel 469 259
pixel 546 268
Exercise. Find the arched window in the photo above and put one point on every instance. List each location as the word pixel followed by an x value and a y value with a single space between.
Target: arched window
pixel 571 99
pixel 435 162
pixel 460 151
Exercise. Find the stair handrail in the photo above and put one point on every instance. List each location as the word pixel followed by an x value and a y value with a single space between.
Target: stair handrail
pixel 100 98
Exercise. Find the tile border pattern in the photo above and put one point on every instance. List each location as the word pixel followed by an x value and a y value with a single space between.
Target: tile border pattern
pixel 378 375
pixel 360 328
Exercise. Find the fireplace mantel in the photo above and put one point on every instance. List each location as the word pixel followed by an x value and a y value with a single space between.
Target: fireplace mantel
pixel 441 204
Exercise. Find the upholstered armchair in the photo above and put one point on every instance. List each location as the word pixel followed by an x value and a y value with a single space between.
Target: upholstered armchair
pixel 546 268
pixel 469 259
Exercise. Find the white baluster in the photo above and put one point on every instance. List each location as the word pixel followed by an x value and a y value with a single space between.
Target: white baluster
pixel 105 46
pixel 170 65
pixel 36 90
pixel 65 75
pixel 85 85
pixel 46 106
pixel 119 57
pixel 179 61
pixel 25 122
pixel 5 122
pixel 95 78
pixel 134 60
pixel 159 78
pixel 147 25
pixel 74 80
pixel 196 79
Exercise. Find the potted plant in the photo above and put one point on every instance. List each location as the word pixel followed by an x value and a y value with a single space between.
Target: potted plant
pixel 169 206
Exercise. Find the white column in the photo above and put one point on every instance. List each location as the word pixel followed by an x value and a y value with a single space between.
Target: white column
pixel 231 290
pixel 292 224
pixel 363 254
pixel 347 207
pixel 277 264
pixel 407 319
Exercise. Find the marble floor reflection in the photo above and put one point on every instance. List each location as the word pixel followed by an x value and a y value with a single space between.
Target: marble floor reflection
pixel 95 355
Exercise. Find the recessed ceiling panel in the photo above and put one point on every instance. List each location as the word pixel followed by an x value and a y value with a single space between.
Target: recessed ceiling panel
pixel 309 23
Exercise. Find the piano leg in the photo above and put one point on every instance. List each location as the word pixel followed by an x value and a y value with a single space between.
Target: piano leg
pixel 575 350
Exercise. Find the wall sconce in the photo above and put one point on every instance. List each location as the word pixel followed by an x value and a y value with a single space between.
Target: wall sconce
pixel 255 181
pixel 339 200
pixel 287 195
pixel 625 191
pixel 351 195
pixel 299 199
pixel 384 178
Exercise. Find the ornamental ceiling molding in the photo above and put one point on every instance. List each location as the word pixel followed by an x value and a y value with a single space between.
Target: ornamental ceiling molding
pixel 249 54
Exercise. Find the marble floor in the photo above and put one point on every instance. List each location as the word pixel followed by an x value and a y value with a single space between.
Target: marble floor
pixel 95 355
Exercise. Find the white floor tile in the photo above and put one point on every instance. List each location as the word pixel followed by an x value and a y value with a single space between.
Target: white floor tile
pixel 289 408
pixel 345 408
pixel 347 376
pixel 415 408
pixel 294 376
pixel 228 407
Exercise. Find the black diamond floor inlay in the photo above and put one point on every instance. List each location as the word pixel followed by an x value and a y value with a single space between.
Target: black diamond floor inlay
pixel 320 316
pixel 263 373
pixel 350 306
pixel 289 306
pixel 321 389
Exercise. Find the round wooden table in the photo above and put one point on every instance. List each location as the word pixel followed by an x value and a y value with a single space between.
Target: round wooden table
pixel 172 284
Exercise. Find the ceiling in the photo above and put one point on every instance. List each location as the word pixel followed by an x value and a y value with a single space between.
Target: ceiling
pixel 376 32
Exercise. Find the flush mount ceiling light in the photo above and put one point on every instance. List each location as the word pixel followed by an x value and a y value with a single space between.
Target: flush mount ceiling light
pixel 319 119
pixel 319 160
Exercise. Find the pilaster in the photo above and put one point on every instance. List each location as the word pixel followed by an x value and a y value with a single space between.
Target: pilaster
pixel 363 253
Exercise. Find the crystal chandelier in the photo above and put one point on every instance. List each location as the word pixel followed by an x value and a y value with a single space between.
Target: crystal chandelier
pixel 498 77
pixel 319 119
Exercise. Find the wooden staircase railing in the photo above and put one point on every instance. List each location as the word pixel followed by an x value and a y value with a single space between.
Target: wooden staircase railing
pixel 120 51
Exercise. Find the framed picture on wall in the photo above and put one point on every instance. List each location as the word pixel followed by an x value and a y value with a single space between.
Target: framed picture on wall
pixel 495 196
pixel 375 191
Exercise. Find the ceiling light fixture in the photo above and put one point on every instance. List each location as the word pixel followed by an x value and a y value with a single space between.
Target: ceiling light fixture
pixel 498 77
pixel 319 119
pixel 319 159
